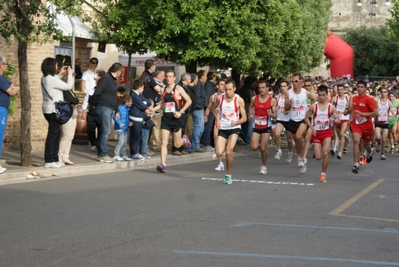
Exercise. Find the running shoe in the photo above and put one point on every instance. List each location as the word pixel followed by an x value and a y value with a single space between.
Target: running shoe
pixel 227 179
pixel 347 136
pixel 339 155
pixel 220 167
pixel 289 158
pixel 378 147
pixel 301 162
pixel 362 161
pixel 187 143
pixel 383 157
pixel 118 158
pixel 161 167
pixel 355 169
pixel 332 152
pixel 278 155
pixel 396 147
pixel 369 157
pixel 303 167
pixel 263 170
pixel 392 151
pixel 323 178
pixel 345 151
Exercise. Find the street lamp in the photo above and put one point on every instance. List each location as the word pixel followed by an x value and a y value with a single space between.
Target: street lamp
pixel 359 3
pixel 387 3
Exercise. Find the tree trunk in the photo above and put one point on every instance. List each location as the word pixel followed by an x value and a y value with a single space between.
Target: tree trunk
pixel 191 67
pixel 26 145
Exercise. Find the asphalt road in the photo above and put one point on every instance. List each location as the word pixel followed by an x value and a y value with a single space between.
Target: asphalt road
pixel 187 217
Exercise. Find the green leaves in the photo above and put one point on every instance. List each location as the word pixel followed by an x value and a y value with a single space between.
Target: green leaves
pixel 377 52
pixel 253 36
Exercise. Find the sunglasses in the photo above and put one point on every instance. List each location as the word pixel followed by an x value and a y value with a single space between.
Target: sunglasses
pixel 295 81
pixel 5 63
pixel 94 63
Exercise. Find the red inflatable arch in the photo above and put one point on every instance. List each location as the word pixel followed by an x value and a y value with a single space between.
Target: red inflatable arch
pixel 340 54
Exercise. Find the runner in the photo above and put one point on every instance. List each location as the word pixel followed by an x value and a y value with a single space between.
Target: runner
pixel 340 102
pixel 295 102
pixel 212 99
pixel 283 118
pixel 323 113
pixel 261 108
pixel 385 114
pixel 393 124
pixel 362 109
pixel 228 121
pixel 308 134
pixel 175 102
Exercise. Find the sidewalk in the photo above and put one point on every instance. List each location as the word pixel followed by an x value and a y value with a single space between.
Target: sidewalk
pixel 86 163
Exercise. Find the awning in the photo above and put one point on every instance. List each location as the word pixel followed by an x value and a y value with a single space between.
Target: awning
pixel 82 31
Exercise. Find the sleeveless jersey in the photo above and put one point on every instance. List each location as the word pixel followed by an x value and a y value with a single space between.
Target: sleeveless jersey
pixel 299 105
pixel 228 111
pixel 261 117
pixel 281 116
pixel 170 102
pixel 321 119
pixel 340 105
pixel 383 109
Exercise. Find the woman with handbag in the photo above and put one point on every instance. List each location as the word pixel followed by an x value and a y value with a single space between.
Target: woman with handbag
pixel 52 90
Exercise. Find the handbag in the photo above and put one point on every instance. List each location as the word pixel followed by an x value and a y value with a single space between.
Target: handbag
pixel 63 109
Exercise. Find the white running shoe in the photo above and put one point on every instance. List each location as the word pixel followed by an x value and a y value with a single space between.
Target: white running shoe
pixel 126 158
pixel 289 158
pixel 118 158
pixel 278 155
pixel 220 167
pixel 263 170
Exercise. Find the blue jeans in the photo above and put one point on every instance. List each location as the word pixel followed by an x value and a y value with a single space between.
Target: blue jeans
pixel 248 133
pixel 198 127
pixel 145 134
pixel 105 119
pixel 3 123
pixel 208 131
pixel 120 149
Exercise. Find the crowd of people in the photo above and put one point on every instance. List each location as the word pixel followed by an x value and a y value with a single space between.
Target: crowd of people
pixel 206 112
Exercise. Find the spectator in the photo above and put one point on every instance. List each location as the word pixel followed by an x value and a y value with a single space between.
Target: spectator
pixel 121 127
pixel 7 89
pixel 210 89
pixel 88 84
pixel 155 97
pixel 198 112
pixel 53 87
pixel 139 110
pixel 106 103
pixel 68 130
pixel 78 70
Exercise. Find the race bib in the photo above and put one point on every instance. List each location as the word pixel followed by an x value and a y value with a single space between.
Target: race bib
pixel 360 119
pixel 261 120
pixel 170 107
pixel 382 117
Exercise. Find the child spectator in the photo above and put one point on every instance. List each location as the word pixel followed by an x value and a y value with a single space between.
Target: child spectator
pixel 121 127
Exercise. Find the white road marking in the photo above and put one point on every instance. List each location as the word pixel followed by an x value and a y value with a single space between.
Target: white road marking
pixel 257 181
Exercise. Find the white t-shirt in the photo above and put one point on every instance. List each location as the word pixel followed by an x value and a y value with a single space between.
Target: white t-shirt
pixel 90 78
pixel 299 105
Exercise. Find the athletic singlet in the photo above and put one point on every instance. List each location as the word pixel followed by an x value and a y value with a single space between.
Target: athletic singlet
pixel 171 103
pixel 281 116
pixel 321 119
pixel 261 117
pixel 340 105
pixel 383 110
pixel 228 111
pixel 298 107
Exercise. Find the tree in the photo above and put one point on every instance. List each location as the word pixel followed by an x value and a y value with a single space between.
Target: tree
pixel 379 48
pixel 26 22
pixel 251 36
pixel 393 22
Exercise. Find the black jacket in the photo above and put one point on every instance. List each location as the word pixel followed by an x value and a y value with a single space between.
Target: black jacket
pixel 105 94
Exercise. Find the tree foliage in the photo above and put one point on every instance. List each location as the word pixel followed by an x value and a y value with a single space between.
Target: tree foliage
pixel 393 22
pixel 380 49
pixel 274 36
